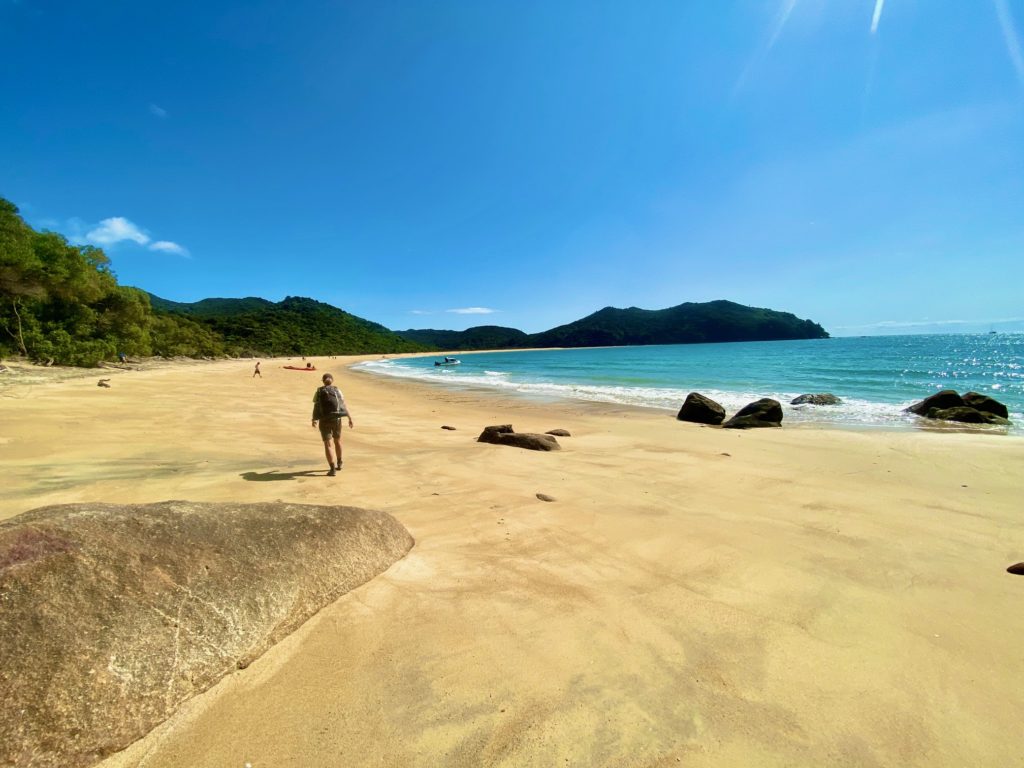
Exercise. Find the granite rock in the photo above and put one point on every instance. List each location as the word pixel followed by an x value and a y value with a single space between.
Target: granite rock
pixel 762 413
pixel 820 398
pixel 701 410
pixel 113 615
pixel 503 434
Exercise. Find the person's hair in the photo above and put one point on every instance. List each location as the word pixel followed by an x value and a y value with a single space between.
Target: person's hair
pixel 327 376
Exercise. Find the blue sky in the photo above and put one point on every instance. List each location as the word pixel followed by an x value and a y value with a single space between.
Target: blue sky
pixel 448 164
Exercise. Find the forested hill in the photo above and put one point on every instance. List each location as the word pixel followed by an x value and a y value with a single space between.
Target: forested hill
pixel 690 323
pixel 62 303
pixel 295 326
pixel 479 337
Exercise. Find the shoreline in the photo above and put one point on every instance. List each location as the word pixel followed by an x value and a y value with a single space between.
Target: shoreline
pixel 678 600
pixel 1014 431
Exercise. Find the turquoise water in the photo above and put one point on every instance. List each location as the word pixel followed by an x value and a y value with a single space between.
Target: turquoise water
pixel 877 376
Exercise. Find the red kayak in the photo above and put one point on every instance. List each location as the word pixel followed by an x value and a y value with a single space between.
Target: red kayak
pixel 297 368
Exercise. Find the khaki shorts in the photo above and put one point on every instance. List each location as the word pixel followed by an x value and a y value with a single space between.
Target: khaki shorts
pixel 330 428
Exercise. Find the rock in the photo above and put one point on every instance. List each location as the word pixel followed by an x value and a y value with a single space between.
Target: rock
pixel 445 426
pixel 103 383
pixel 503 434
pixel 558 432
pixel 701 410
pixel 822 398
pixel 947 398
pixel 545 497
pixel 965 415
pixel 1016 569
pixel 762 413
pixel 113 615
pixel 986 404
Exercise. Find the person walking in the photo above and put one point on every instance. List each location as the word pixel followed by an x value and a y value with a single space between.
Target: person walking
pixel 329 409
pixel 256 372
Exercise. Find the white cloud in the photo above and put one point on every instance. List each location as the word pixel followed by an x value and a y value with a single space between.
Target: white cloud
pixel 1013 47
pixel 472 311
pixel 419 312
pixel 877 15
pixel 157 111
pixel 166 246
pixel 115 230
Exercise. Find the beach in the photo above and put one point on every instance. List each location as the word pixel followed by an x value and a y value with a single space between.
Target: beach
pixel 694 596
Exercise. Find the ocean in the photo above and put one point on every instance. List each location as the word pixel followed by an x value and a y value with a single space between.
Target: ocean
pixel 876 376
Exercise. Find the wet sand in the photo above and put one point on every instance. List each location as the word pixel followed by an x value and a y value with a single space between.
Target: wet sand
pixel 694 596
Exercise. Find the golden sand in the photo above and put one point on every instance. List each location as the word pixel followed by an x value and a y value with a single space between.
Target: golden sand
pixel 694 596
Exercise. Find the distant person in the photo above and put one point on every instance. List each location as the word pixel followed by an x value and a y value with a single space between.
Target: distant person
pixel 256 371
pixel 123 358
pixel 310 366
pixel 329 408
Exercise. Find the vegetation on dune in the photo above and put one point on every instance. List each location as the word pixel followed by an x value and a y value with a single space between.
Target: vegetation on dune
pixel 62 303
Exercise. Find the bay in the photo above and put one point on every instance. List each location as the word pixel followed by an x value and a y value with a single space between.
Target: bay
pixel 876 377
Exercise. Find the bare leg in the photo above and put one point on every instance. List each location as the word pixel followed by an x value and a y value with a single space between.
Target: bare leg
pixel 327 453
pixel 337 450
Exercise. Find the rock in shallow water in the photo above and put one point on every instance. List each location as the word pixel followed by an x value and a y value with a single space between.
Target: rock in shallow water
pixel 819 398
pixel 112 615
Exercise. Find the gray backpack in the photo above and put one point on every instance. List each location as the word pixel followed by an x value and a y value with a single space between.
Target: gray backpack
pixel 331 404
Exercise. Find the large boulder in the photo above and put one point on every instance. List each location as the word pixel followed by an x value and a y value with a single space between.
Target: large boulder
pixel 701 410
pixel 986 404
pixel 821 398
pixel 762 413
pixel 503 434
pixel 112 615
pixel 947 398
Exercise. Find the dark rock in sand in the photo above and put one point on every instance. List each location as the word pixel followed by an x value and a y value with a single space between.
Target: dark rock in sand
pixel 1017 569
pixel 965 415
pixel 762 413
pixel 821 398
pixel 558 432
pixel 947 398
pixel 545 497
pixel 701 410
pixel 113 615
pixel 503 434
pixel 445 426
pixel 986 404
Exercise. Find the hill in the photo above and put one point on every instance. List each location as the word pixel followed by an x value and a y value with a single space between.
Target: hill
pixel 294 326
pixel 478 337
pixel 689 323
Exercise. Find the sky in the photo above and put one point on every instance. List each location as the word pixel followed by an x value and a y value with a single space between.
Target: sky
pixel 450 164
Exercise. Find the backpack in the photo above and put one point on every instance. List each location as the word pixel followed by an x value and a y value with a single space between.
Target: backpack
pixel 330 403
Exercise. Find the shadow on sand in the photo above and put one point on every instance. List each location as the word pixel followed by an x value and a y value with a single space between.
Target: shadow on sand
pixel 263 477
